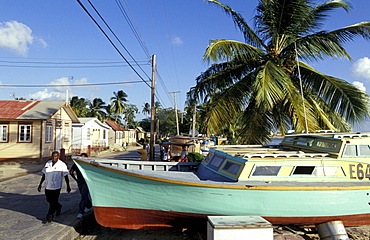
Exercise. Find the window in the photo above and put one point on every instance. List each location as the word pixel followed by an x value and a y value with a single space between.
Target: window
pixel 231 167
pixel 216 161
pixel 25 133
pixel 266 171
pixel 209 157
pixel 303 170
pixel 328 171
pixel 59 124
pixel 104 134
pixel 350 151
pixel 88 134
pixel 49 133
pixel 3 133
pixel 66 132
pixel 364 150
pixel 325 144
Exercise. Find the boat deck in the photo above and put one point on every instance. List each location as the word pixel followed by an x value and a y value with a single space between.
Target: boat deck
pixel 169 172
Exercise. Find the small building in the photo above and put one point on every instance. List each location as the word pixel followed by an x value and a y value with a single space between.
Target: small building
pixel 129 136
pixel 140 133
pixel 32 130
pixel 89 133
pixel 115 137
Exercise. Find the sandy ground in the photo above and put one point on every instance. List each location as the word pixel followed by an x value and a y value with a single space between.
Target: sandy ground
pixel 93 231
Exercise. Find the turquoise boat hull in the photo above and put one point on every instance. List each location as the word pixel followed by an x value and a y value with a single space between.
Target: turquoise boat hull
pixel 134 199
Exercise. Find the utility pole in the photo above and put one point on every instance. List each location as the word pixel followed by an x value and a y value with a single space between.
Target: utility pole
pixel 194 120
pixel 177 118
pixel 151 151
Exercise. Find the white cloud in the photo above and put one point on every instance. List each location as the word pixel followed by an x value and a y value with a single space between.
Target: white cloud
pixel 46 95
pixel 359 85
pixel 59 88
pixel 361 68
pixel 176 41
pixel 17 37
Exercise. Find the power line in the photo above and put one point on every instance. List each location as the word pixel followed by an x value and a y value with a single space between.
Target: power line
pixel 92 66
pixel 110 29
pixel 111 42
pixel 133 27
pixel 70 63
pixel 65 85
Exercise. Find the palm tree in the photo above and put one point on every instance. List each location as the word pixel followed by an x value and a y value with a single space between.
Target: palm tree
pixel 96 109
pixel 79 106
pixel 157 106
pixel 118 102
pixel 146 108
pixel 264 82
pixel 129 117
pixel 109 113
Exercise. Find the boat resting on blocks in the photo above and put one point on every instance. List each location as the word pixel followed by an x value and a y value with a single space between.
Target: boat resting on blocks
pixel 305 180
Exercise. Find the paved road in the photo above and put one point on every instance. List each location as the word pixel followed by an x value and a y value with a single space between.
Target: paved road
pixel 23 210
pixel 130 154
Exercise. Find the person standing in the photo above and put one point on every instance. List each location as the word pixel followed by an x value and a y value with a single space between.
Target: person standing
pixel 143 153
pixel 167 156
pixel 184 155
pixel 85 204
pixel 53 173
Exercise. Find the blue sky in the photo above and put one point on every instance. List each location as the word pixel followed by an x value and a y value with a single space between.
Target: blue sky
pixel 36 36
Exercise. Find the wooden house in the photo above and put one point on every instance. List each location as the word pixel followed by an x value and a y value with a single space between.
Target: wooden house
pixel 89 133
pixel 116 133
pixel 129 137
pixel 32 130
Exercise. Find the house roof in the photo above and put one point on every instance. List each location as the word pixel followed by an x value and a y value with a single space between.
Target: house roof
pixel 33 110
pixel 114 125
pixel 140 129
pixel 84 120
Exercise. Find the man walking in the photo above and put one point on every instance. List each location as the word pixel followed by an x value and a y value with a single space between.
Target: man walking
pixel 53 172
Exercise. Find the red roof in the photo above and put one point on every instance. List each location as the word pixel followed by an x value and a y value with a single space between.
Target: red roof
pixel 114 125
pixel 14 109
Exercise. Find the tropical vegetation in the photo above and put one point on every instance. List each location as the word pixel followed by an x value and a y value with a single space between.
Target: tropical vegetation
pixel 118 110
pixel 265 84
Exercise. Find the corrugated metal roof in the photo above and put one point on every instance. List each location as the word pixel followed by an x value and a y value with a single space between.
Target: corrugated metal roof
pixel 14 109
pixel 43 110
pixel 32 110
pixel 114 125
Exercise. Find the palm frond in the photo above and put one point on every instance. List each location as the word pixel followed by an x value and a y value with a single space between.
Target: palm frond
pixel 249 35
pixel 346 99
pixel 316 47
pixel 347 34
pixel 225 50
pixel 270 85
pixel 320 13
pixel 257 125
pixel 219 77
pixel 224 106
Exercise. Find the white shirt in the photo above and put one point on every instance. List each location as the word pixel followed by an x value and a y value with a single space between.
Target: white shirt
pixel 166 156
pixel 183 154
pixel 54 174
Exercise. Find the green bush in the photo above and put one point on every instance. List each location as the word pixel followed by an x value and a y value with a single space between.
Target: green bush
pixel 195 157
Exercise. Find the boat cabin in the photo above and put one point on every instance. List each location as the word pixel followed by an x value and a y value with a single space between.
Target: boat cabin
pixel 307 157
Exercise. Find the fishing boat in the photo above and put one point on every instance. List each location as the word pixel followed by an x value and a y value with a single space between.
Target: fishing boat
pixel 305 180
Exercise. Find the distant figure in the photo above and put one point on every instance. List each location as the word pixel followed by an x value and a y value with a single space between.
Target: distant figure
pixel 85 202
pixel 184 155
pixel 167 155
pixel 53 172
pixel 161 152
pixel 144 153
